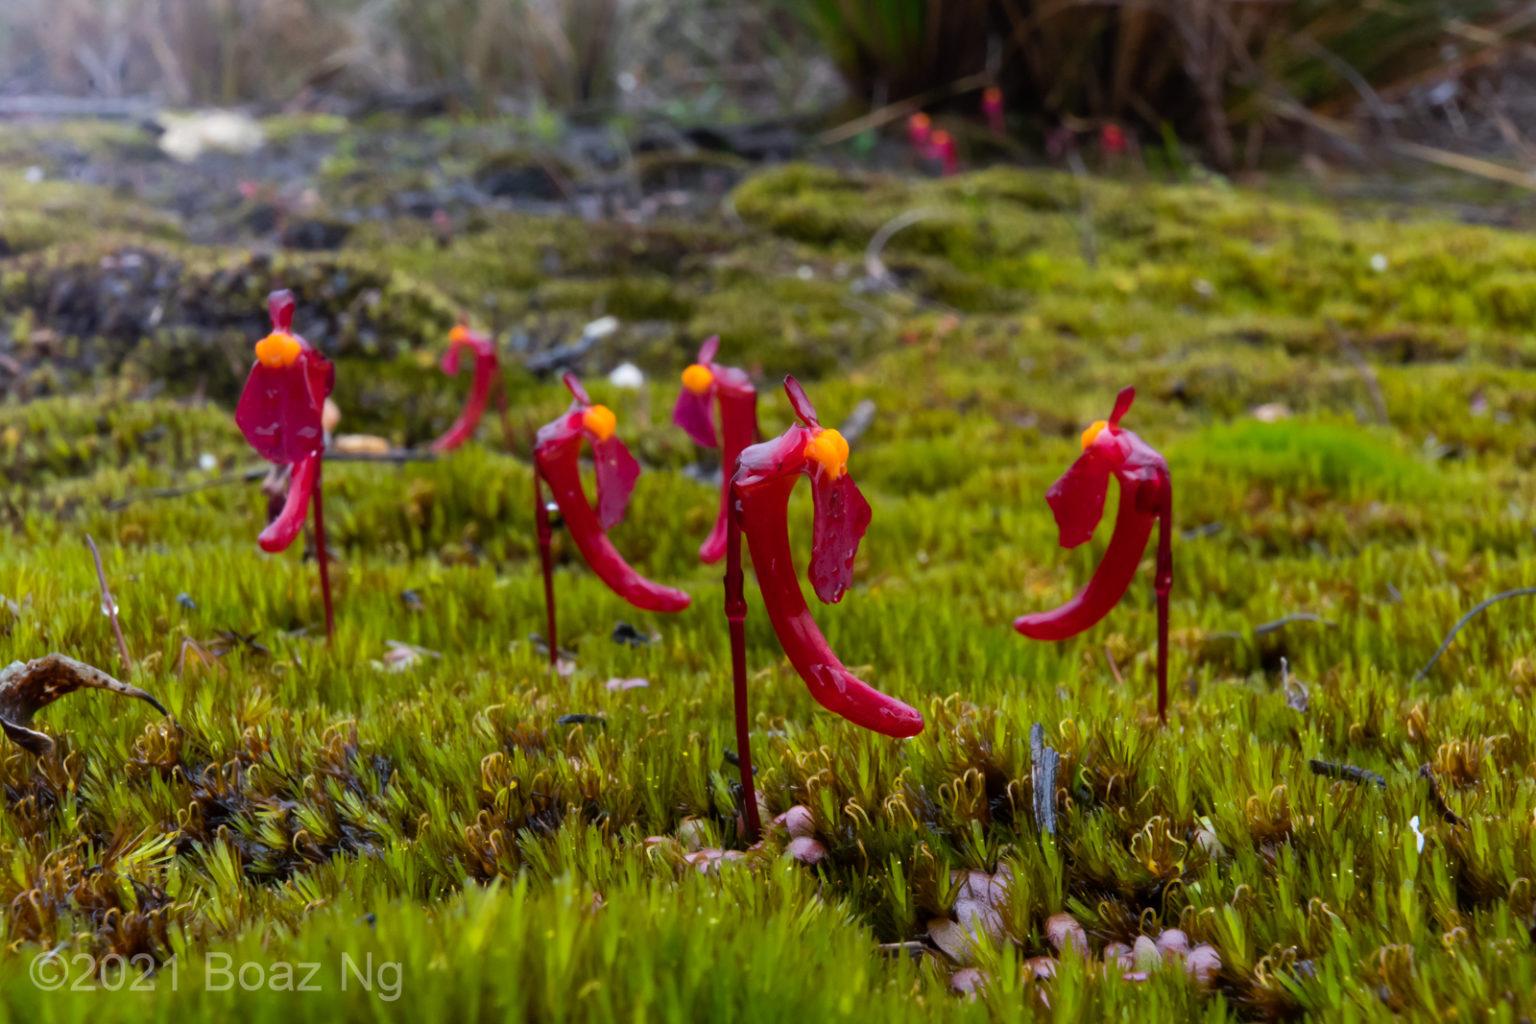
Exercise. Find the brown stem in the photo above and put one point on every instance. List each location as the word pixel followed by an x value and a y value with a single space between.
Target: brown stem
pixel 541 521
pixel 322 555
pixel 109 605
pixel 736 617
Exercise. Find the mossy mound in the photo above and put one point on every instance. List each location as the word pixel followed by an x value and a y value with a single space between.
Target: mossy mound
pixel 1350 444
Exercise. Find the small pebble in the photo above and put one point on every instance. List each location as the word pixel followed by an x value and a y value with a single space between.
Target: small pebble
pixel 951 940
pixel 1117 954
pixel 1173 942
pixel 1203 964
pixel 1144 954
pixel 797 821
pixel 1063 930
pixel 692 833
pixel 621 685
pixel 967 981
pixel 806 850
pixel 627 375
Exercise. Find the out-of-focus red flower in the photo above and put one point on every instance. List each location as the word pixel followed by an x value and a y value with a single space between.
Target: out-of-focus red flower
pixel 281 413
pixel 556 456
pixel 487 367
pixel 1113 140
pixel 992 108
pixel 705 383
pixel 945 153
pixel 920 133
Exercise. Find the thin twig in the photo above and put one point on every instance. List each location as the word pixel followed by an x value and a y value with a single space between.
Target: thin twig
pixel 395 456
pixel 874 267
pixel 859 421
pixel 1345 132
pixel 1438 796
pixel 109 606
pixel 896 111
pixel 182 490
pixel 1449 637
pixel 915 951
pixel 1114 669
pixel 398 456
pixel 1265 628
pixel 1365 370
pixel 1347 772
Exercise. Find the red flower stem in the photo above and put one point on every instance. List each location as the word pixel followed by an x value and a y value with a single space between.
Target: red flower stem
pixel 736 616
pixel 1163 583
pixel 541 522
pixel 321 554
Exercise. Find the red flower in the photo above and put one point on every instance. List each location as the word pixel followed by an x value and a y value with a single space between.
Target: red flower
pixel 992 108
pixel 1077 500
pixel 1113 140
pixel 280 409
pixel 487 367
pixel 766 475
pixel 943 150
pixel 280 412
pixel 920 133
pixel 703 382
pixel 556 452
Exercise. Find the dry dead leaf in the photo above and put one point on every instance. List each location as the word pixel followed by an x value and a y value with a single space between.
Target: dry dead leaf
pixel 28 687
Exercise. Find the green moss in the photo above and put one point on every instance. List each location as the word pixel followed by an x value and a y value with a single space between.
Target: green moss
pixel 1297 457
pixel 311 801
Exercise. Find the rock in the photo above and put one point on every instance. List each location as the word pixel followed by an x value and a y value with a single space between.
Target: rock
pixel 806 850
pixel 951 940
pixel 1041 966
pixel 692 833
pixel 516 176
pixel 980 900
pixel 314 234
pixel 361 444
pixel 710 859
pixel 1203 964
pixel 620 685
pixel 185 137
pixel 1209 844
pixel 1063 930
pixel 628 376
pixel 1117 954
pixel 1173 942
pixel 1145 955
pixel 967 981
pixel 797 821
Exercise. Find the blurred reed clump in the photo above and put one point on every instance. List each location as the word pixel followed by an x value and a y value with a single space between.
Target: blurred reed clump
pixel 1220 71
pixel 475 54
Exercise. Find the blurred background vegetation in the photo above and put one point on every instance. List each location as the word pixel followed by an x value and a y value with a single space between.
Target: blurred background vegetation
pixel 1228 76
